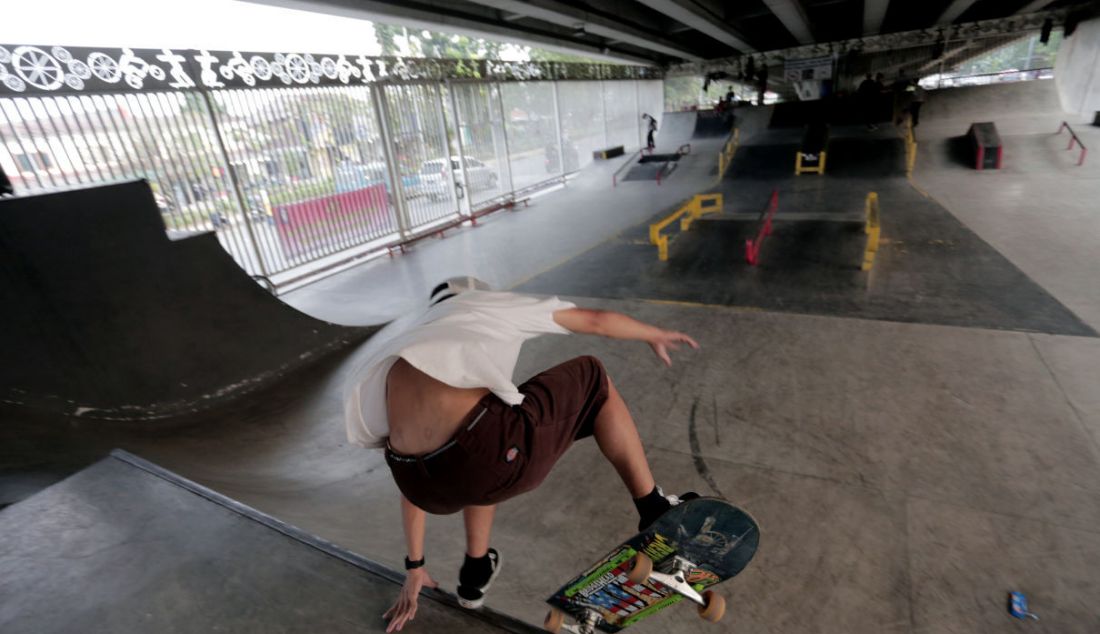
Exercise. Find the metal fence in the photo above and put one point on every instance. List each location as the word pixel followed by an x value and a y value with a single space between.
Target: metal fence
pixel 300 161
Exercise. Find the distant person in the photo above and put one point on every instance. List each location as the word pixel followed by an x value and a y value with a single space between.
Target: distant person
pixel 761 85
pixel 917 96
pixel 650 143
pixel 901 91
pixel 867 96
pixel 436 394
pixel 731 98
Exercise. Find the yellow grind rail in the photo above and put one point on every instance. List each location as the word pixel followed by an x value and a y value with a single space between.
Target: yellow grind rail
pixel 910 147
pixel 691 211
pixel 799 170
pixel 725 157
pixel 872 228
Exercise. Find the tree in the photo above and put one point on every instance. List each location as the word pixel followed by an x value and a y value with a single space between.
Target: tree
pixel 543 55
pixel 424 43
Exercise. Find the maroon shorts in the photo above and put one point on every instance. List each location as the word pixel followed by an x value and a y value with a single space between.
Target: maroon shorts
pixel 501 451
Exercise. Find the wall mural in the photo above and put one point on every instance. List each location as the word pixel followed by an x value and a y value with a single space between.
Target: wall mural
pixel 28 69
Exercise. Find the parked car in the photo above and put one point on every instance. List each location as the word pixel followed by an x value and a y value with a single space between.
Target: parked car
pixel 433 176
pixel 351 176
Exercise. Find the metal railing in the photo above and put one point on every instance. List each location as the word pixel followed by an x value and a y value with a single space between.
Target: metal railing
pixel 763 229
pixel 300 161
pixel 725 156
pixel 693 209
pixel 1073 138
pixel 910 146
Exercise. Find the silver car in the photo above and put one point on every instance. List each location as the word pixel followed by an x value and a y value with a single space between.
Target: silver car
pixel 433 176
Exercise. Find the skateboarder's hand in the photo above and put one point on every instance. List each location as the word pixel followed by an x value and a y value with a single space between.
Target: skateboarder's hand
pixel 404 609
pixel 669 340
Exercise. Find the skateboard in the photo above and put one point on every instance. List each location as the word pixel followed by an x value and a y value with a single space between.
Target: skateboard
pixel 693 546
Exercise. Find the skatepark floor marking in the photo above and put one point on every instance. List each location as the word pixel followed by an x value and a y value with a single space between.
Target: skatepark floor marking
pixel 697 452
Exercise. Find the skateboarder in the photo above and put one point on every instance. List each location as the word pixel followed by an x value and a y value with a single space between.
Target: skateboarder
pixel 652 129
pixel 867 95
pixel 436 392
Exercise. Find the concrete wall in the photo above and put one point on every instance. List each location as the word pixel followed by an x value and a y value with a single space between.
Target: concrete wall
pixel 1077 70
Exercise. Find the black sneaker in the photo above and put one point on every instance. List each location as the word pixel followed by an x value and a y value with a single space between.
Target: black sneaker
pixel 653 514
pixel 475 577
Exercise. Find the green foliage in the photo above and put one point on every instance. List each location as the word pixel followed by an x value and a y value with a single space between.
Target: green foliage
pixel 543 55
pixel 424 43
pixel 1023 54
pixel 682 92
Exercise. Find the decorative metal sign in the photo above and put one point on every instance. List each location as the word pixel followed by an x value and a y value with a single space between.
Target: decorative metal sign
pixel 29 69
pixel 812 69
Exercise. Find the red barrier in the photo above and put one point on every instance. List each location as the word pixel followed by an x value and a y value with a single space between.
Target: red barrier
pixel 321 223
pixel 752 245
pixel 1073 139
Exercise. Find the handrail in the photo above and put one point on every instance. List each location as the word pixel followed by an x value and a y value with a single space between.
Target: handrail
pixel 689 212
pixel 752 245
pixel 725 156
pixel 626 164
pixel 872 227
pixel 910 146
pixel 1074 138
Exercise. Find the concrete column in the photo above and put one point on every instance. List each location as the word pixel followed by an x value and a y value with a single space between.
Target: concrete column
pixel 1077 70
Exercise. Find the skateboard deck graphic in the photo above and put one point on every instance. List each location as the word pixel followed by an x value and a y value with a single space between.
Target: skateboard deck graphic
pixel 705 541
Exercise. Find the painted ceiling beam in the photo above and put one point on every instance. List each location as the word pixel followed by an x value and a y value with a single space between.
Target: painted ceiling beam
pixel 563 15
pixel 793 17
pixel 698 18
pixel 438 20
pixel 1032 7
pixel 954 10
pixel 874 13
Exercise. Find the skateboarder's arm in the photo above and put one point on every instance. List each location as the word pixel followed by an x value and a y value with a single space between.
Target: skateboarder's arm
pixel 614 325
pixel 414 521
pixel 404 608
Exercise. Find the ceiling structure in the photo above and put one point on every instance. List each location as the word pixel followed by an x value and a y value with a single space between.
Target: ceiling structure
pixel 668 32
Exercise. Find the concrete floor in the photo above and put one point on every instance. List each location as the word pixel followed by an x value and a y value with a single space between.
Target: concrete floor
pixel 906 476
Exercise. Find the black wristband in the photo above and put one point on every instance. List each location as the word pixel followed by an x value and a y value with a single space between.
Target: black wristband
pixel 412 565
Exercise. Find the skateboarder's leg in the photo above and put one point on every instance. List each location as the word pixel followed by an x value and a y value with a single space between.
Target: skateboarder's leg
pixel 481 563
pixel 618 439
pixel 479 522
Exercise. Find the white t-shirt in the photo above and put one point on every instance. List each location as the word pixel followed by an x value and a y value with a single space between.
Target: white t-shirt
pixel 470 340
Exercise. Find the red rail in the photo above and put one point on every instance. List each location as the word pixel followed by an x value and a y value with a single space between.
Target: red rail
pixel 1073 139
pixel 752 245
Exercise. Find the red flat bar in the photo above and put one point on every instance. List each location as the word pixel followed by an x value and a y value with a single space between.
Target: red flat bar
pixel 752 245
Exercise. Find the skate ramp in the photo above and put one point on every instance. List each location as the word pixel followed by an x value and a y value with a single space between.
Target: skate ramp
pixel 106 318
pixel 990 103
pixel 680 127
pixel 676 128
pixel 711 123
pixel 125 546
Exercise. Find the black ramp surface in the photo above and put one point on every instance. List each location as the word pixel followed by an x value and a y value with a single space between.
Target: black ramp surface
pixel 930 268
pixel 124 547
pixel 101 315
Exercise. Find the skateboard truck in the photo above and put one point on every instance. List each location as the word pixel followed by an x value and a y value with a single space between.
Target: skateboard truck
pixel 591 620
pixel 676 580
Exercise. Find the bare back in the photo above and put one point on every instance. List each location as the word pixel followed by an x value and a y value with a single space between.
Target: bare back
pixel 424 413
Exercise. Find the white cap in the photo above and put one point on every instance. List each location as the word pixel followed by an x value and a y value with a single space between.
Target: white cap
pixel 455 285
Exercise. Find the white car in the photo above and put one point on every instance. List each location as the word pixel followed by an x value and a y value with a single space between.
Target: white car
pixel 434 174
